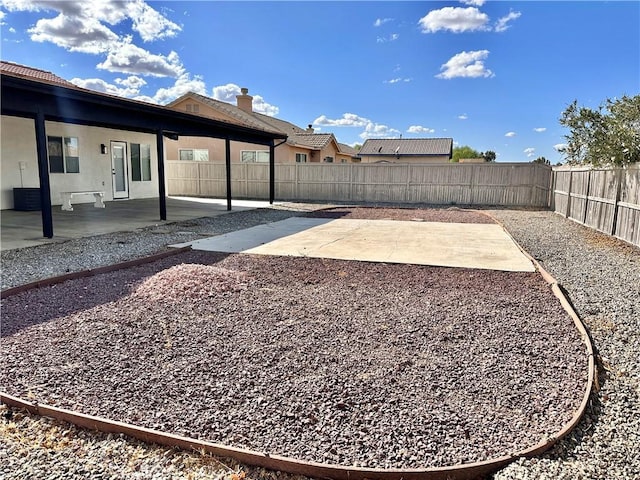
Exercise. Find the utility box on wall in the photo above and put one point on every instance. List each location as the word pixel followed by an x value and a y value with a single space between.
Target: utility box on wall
pixel 26 199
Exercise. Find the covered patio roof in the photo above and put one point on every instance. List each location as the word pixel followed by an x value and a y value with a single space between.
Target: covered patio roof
pixel 46 101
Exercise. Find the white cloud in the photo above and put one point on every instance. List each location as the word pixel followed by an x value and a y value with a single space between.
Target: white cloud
pixel 182 85
pixel 560 147
pixel 381 21
pixel 540 129
pixel 260 106
pixel 475 3
pixel 466 65
pixel 347 120
pixel 391 38
pixel 420 129
pixel 129 87
pixel 501 24
pixel 371 129
pixel 227 93
pixel 510 134
pixel 75 34
pixel 464 116
pixel 149 23
pixel 85 26
pixel 377 130
pixel 398 80
pixel 530 151
pixel 129 58
pixel 454 19
pixel 12 30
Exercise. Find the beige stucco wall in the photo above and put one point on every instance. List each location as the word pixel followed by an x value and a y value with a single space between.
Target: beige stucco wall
pixel 405 159
pixel 18 145
pixel 283 154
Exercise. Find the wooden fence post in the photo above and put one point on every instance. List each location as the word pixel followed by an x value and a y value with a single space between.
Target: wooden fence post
pixel 586 199
pixel 567 212
pixel 617 200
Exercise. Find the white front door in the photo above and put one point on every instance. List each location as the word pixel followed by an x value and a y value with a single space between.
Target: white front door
pixel 119 171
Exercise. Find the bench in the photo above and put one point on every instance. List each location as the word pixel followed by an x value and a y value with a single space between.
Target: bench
pixel 67 196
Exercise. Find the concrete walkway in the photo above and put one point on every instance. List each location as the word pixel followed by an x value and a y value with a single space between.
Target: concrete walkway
pixel 24 229
pixel 484 246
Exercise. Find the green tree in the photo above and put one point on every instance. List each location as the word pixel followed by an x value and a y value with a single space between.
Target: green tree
pixel 464 152
pixel 489 156
pixel 608 135
pixel 542 160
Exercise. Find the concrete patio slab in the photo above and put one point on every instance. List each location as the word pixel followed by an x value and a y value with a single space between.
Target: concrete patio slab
pixel 484 246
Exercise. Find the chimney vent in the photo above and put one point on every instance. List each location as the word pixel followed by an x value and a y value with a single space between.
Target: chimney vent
pixel 245 101
pixel 310 129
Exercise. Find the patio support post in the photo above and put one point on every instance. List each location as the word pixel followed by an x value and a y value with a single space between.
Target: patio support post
pixel 161 176
pixel 227 159
pixel 272 172
pixel 43 172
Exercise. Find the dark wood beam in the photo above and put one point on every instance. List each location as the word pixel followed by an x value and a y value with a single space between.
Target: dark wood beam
pixel 43 173
pixel 227 145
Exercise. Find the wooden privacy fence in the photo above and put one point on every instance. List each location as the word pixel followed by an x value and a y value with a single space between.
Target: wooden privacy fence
pixel 509 184
pixel 607 199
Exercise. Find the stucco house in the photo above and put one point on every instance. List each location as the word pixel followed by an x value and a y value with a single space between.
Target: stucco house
pixel 62 143
pixel 407 150
pixel 303 144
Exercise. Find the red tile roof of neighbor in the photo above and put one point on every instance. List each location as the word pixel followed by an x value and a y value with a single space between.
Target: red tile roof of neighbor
pixel 407 146
pixel 17 70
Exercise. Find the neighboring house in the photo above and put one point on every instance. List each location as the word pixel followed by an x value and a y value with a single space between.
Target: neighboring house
pixel 58 139
pixel 302 145
pixel 407 150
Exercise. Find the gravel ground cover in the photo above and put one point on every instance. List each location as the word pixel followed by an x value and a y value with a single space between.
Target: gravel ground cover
pixel 601 276
pixel 347 413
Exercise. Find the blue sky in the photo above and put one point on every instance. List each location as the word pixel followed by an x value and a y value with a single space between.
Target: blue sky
pixel 494 75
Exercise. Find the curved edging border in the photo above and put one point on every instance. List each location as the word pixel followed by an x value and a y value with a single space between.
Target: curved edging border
pixel 47 282
pixel 311 469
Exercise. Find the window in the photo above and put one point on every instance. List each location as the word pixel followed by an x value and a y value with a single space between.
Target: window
pixel 254 156
pixel 193 108
pixel 140 162
pixel 63 154
pixel 301 158
pixel 194 154
pixel 328 159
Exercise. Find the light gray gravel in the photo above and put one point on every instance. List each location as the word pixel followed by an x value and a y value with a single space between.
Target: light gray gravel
pixel 601 276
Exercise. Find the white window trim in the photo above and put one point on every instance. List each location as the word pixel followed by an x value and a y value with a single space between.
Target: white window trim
pixel 302 154
pixel 256 155
pixel 196 153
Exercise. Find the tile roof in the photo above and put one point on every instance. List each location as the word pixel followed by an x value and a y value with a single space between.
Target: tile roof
pixel 348 150
pixel 254 119
pixel 407 146
pixel 17 70
pixel 311 140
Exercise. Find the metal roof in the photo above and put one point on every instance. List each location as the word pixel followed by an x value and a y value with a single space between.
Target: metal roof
pixel 407 146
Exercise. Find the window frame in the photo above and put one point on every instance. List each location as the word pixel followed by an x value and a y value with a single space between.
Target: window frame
pixel 300 155
pixel 195 152
pixel 140 166
pixel 256 156
pixel 67 160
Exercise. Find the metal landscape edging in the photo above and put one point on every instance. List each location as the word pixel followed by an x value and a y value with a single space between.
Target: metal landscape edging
pixel 467 471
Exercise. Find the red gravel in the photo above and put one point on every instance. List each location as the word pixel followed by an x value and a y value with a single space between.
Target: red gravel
pixel 447 215
pixel 377 365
